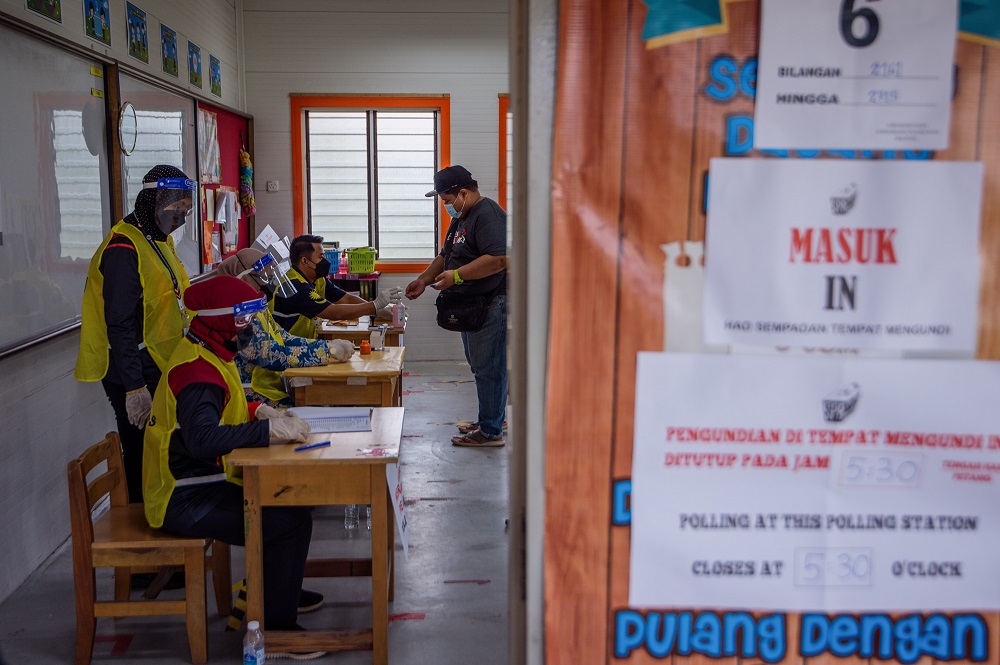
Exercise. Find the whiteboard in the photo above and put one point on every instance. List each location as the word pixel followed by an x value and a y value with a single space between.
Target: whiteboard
pixel 55 195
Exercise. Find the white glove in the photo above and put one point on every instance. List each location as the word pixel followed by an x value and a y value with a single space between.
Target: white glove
pixel 341 350
pixel 288 429
pixel 265 412
pixel 391 295
pixel 138 404
pixel 385 313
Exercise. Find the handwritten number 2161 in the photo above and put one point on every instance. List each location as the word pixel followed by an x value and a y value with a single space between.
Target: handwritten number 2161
pixel 849 15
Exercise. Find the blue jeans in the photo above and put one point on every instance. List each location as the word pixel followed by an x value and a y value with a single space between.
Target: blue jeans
pixel 486 351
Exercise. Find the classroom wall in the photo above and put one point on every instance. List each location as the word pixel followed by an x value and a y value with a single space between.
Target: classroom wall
pixel 328 46
pixel 46 417
pixel 211 24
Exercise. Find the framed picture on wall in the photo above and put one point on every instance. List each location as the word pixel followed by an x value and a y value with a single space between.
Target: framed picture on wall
pixel 215 75
pixel 50 9
pixel 194 63
pixel 97 20
pixel 168 40
pixel 138 41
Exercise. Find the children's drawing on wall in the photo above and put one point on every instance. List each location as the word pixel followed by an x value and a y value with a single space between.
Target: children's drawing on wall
pixel 50 9
pixel 215 75
pixel 138 41
pixel 97 20
pixel 194 64
pixel 168 49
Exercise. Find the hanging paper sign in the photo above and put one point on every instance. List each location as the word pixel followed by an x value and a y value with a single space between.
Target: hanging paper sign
pixel 848 254
pixel 855 74
pixel 808 484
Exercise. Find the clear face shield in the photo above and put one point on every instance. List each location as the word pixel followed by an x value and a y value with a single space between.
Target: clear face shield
pixel 273 279
pixel 242 314
pixel 174 202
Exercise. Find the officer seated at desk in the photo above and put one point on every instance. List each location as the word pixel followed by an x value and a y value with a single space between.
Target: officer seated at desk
pixel 316 297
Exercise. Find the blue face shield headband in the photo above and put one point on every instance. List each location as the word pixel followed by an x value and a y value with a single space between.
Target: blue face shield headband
pixel 168 192
pixel 242 312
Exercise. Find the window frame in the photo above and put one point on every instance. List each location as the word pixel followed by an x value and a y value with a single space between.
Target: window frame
pixel 302 103
pixel 502 193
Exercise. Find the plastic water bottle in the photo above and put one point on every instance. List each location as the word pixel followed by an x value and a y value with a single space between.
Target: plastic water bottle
pixel 253 645
pixel 351 517
pixel 368 515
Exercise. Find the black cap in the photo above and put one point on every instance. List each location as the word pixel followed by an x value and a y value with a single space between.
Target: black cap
pixel 449 178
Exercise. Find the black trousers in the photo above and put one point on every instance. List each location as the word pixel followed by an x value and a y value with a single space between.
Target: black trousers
pixel 286 533
pixel 130 435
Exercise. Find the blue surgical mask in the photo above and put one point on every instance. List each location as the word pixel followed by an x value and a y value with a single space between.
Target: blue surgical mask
pixel 450 209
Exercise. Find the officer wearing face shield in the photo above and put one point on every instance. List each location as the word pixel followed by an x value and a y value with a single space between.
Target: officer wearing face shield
pixel 269 349
pixel 133 312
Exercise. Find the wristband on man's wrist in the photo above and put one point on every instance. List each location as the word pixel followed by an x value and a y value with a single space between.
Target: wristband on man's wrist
pixel 458 278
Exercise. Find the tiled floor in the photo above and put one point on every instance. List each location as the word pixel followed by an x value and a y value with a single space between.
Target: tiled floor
pixel 451 592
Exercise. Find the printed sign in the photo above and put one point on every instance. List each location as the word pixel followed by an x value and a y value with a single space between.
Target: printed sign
pixel 394 478
pixel 835 253
pixel 855 74
pixel 808 484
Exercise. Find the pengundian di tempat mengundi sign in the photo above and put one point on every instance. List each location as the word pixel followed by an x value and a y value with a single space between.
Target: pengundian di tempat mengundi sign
pixel 860 493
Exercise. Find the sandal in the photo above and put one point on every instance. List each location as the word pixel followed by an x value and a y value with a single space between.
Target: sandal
pixel 472 427
pixel 476 439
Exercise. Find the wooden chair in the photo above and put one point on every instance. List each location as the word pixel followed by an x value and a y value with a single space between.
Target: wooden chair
pixel 123 540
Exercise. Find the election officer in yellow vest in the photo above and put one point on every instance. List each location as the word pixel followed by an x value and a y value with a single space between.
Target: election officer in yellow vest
pixel 316 297
pixel 199 416
pixel 271 349
pixel 133 312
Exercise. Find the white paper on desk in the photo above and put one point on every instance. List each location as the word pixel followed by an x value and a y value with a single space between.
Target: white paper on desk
pixel 335 418
pixel 394 478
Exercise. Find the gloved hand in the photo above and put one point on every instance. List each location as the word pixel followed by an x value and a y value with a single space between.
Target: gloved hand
pixel 341 350
pixel 265 412
pixel 385 313
pixel 287 429
pixel 138 404
pixel 391 295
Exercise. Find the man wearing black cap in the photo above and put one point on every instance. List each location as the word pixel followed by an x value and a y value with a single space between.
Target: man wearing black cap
pixel 472 266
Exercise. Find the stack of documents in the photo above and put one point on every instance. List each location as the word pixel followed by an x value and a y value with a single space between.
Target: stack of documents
pixel 335 418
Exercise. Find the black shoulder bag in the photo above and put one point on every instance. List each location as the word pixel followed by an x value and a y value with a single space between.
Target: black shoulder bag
pixel 462 312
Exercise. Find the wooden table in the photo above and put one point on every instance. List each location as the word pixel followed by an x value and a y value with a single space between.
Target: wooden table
pixel 355 332
pixel 334 475
pixel 372 380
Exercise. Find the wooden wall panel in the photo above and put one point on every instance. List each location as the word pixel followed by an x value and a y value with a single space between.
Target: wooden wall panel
pixel 635 130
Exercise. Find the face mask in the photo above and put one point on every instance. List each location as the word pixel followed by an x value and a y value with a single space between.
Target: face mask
pixel 267 289
pixel 243 338
pixel 450 209
pixel 322 268
pixel 170 220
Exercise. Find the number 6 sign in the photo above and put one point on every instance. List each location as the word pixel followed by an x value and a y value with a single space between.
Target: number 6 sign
pixel 855 74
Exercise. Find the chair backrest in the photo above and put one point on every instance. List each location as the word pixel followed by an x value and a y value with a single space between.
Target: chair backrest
pixel 83 496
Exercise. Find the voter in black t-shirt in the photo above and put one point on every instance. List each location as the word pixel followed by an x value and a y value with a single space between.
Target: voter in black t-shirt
pixel 473 261
pixel 317 297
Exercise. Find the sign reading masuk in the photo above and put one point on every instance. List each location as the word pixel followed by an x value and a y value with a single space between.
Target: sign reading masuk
pixel 815 485
pixel 855 74
pixel 836 253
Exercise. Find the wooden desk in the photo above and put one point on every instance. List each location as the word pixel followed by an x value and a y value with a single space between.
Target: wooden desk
pixel 372 380
pixel 335 475
pixel 358 331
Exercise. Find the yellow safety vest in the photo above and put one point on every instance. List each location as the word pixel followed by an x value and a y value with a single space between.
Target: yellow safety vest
pixel 268 382
pixel 163 323
pixel 157 482
pixel 303 326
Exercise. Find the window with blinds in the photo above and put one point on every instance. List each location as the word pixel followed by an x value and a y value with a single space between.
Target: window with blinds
pixel 367 172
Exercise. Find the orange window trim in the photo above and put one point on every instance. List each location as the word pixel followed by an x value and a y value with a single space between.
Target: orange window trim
pixel 301 103
pixel 502 179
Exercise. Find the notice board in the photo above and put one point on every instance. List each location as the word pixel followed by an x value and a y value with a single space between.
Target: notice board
pixel 647 94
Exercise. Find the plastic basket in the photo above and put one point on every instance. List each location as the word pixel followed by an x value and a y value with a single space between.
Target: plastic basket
pixel 361 260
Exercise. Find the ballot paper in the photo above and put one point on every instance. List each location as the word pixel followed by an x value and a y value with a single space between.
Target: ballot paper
pixel 335 418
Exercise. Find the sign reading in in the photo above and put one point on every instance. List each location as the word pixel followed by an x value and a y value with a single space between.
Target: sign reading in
pixel 855 74
pixel 851 254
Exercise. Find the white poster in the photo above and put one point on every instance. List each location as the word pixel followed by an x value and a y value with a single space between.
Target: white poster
pixel 810 484
pixel 855 74
pixel 394 479
pixel 842 253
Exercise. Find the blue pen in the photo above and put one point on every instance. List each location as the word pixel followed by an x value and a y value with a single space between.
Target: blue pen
pixel 312 445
